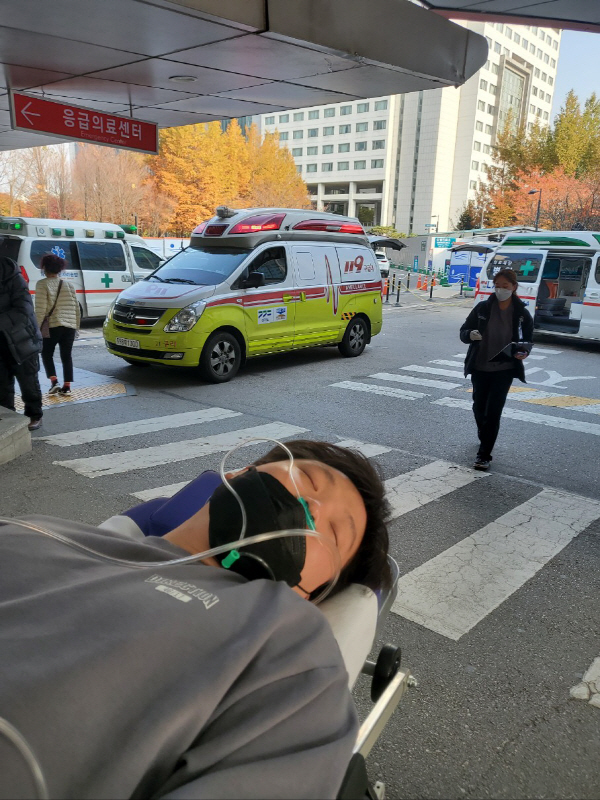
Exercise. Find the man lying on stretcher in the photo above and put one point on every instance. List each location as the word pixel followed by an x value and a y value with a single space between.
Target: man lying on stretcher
pixel 131 679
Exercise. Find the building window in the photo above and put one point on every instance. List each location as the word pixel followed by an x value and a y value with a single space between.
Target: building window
pixel 546 58
pixel 345 110
pixel 490 109
pixel 360 145
pixel 500 26
pixel 313 114
pixel 552 63
pixel 481 105
pixel 269 120
pixel 508 32
pixel 299 116
pixel 493 89
pixel 297 152
pixel 545 115
pixel 539 53
pixel 344 148
pixel 531 108
pixel 327 149
pixel 312 151
pixel 298 134
pixel 495 69
pixel 497 48
pixel 489 129
pixel 473 184
pixel 311 167
pixel 328 131
pixel 380 125
pixel 284 118
pixel 542 36
pixel 536 72
pixel 555 44
pixel 544 77
pixel 362 107
pixel 517 38
pixel 360 165
pixel 378 144
pixel 525 43
pixel 532 48
pixel 381 105
pixel 489 41
pixel 487 149
pixel 483 85
pixel 298 167
pixel 377 163
pixel 361 127
pixel 345 129
pixel 550 80
pixel 313 132
pixel 475 165
pixel 486 65
pixel 283 137
pixel 329 112
pixel 476 145
pixel 479 125
pixel 343 165
pixel 534 91
pixel 327 167
pixel 548 98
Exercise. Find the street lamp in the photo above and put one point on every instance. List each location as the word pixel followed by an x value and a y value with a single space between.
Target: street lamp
pixel 537 216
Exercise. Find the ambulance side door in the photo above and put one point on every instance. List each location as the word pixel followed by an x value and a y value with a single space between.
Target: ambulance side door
pixel 62 249
pixel 590 310
pixel 269 310
pixel 105 273
pixel 317 278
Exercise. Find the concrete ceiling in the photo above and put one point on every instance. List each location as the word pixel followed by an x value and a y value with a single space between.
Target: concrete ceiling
pixel 576 15
pixel 245 56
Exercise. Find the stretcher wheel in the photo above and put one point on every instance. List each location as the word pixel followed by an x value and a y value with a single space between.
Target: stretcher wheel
pixel 388 664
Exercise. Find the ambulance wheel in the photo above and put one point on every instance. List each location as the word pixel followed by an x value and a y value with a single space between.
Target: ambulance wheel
pixel 221 358
pixel 355 338
pixel 133 363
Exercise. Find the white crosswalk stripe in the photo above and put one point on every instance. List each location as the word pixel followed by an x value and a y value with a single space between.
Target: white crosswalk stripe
pixel 388 391
pixel 138 426
pixel 368 450
pixel 411 379
pixel 423 485
pixel 448 373
pixel 451 593
pixel 444 363
pixel 529 416
pixel 115 463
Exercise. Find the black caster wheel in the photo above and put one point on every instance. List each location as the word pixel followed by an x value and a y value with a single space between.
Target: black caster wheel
pixel 388 664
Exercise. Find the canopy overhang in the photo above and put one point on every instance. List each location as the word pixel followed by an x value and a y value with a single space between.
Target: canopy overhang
pixel 574 15
pixel 189 61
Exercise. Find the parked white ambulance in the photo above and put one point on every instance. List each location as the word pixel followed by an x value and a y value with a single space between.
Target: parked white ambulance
pixel 101 258
pixel 559 278
pixel 252 282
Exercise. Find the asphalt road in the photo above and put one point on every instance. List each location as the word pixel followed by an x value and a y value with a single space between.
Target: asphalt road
pixel 495 652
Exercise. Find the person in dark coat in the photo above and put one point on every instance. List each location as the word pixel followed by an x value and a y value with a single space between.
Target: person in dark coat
pixel 492 324
pixel 20 344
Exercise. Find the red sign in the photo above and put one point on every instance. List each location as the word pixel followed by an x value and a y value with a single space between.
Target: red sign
pixel 30 113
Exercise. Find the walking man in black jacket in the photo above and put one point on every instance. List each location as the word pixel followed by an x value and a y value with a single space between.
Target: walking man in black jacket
pixel 491 325
pixel 20 344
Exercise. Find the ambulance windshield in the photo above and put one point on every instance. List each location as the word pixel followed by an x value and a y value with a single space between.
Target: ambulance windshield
pixel 201 266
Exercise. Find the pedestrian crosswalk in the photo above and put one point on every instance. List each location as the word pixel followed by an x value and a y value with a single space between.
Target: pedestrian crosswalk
pixel 451 590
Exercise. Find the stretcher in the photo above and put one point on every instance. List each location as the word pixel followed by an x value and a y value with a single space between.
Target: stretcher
pixel 357 615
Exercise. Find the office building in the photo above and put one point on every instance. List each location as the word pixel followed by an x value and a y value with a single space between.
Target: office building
pixel 414 160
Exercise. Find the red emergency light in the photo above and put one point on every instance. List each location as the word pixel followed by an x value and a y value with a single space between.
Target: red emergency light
pixel 199 229
pixel 215 230
pixel 261 222
pixel 330 226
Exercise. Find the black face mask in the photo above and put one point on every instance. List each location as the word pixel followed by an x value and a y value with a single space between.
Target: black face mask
pixel 269 507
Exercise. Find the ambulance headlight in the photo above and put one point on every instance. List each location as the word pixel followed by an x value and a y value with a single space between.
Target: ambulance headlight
pixel 111 309
pixel 186 318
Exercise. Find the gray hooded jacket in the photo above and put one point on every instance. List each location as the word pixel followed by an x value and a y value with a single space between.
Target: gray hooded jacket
pixel 18 324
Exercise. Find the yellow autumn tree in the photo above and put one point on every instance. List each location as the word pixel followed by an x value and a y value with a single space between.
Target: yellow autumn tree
pixel 274 178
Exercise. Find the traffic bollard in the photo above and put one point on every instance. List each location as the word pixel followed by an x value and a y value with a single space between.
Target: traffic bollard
pixel 462 283
pixel 398 294
pixel 431 288
pixel 387 291
pixel 408 281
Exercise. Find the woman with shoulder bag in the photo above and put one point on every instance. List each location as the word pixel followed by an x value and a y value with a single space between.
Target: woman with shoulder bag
pixel 499 321
pixel 58 316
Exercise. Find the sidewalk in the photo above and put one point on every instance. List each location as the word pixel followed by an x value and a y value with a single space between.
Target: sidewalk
pixel 447 295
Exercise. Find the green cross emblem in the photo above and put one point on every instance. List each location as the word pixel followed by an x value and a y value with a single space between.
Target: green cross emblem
pixel 527 267
pixel 106 280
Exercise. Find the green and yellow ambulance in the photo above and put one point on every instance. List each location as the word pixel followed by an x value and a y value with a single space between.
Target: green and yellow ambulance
pixel 253 282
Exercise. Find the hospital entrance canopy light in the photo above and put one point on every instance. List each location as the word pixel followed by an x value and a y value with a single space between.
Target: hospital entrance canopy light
pixel 189 61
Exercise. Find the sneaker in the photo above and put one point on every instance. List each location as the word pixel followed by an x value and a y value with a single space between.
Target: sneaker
pixel 481 463
pixel 35 423
pixel 54 388
pixel 65 390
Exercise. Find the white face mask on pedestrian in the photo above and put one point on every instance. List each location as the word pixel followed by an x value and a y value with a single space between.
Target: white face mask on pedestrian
pixel 503 294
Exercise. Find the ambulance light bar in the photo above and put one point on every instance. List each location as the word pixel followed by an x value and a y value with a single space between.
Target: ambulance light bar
pixel 261 222
pixel 199 228
pixel 215 230
pixel 331 226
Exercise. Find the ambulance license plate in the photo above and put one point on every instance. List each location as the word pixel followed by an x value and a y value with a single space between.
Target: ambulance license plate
pixel 128 342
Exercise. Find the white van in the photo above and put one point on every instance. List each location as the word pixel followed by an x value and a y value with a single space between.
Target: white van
pixel 102 259
pixel 559 278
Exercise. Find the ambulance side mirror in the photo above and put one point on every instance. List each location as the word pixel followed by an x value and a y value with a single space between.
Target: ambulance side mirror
pixel 253 281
